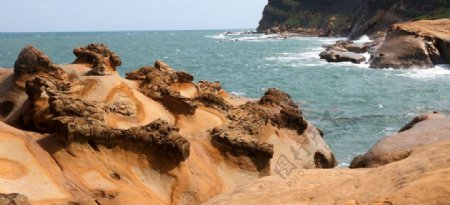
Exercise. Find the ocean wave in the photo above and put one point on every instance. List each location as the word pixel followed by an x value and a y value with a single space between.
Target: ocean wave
pixel 363 39
pixel 294 57
pixel 237 93
pixel 218 36
pixel 426 74
pixel 243 36
pixel 257 37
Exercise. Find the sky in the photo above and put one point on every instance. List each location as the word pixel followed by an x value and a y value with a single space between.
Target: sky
pixel 128 15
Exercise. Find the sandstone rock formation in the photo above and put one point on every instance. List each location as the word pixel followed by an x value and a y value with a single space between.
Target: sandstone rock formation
pixel 421 176
pixel 420 44
pixel 346 17
pixel 13 99
pixel 99 57
pixel 156 137
pixel 424 129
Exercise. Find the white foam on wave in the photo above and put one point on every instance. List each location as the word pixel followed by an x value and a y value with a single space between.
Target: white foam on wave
pixel 257 37
pixel 363 39
pixel 243 36
pixel 367 56
pixel 343 165
pixel 237 93
pixel 218 36
pixel 294 57
pixel 436 72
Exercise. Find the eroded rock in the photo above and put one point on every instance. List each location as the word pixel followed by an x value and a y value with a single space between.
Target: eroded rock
pixel 102 59
pixel 425 171
pixel 422 130
pixel 33 61
pixel 155 82
pixel 156 137
pixel 419 44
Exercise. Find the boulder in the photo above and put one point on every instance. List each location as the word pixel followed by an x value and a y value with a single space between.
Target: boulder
pixel 342 56
pixel 345 45
pixel 422 130
pixel 419 44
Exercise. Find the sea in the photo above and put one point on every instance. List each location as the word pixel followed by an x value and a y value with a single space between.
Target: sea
pixel 353 105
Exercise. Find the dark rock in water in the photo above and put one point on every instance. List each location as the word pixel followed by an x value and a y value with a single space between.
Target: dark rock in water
pixel 341 56
pixel 420 44
pixel 13 199
pixel 99 56
pixel 344 51
pixel 356 48
pixel 422 130
pixel 345 45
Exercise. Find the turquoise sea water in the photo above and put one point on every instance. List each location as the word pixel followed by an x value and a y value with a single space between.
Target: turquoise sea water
pixel 355 106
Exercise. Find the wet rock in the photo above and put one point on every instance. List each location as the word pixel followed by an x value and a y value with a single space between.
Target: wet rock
pixel 345 45
pixel 341 56
pixel 102 59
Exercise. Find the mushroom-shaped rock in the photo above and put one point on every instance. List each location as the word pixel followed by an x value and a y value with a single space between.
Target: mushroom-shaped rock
pixel 99 56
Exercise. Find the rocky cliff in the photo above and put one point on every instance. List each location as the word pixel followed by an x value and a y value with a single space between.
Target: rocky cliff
pixel 154 137
pixel 346 17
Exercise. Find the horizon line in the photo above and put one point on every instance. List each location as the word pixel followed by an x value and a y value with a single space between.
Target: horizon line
pixel 107 31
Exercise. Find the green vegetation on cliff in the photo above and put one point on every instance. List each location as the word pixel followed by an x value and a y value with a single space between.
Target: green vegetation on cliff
pixel 346 17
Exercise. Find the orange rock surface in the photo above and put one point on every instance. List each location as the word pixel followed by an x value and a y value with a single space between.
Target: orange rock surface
pixel 157 137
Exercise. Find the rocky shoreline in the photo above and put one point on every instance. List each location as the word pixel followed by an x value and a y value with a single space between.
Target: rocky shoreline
pixel 156 136
pixel 417 44
pixel 347 18
pixel 85 135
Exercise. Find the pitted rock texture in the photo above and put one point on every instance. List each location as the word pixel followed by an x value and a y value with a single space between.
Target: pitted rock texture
pixel 32 61
pixel 99 56
pixel 156 137
pixel 155 83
